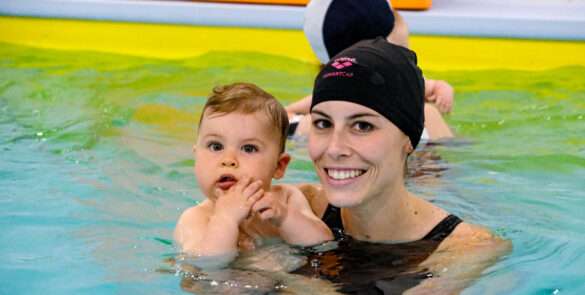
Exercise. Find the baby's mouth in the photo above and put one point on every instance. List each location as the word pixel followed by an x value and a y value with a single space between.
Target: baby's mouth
pixel 226 181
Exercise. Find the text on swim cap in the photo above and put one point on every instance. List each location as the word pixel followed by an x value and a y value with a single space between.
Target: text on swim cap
pixel 338 74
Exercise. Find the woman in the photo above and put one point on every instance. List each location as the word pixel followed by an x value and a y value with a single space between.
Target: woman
pixel 367 117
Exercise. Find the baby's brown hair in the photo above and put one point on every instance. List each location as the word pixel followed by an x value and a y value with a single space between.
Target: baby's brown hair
pixel 248 98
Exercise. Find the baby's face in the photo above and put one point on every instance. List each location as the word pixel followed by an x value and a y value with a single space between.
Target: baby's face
pixel 236 145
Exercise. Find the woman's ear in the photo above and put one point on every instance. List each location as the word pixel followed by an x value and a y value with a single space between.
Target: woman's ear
pixel 281 165
pixel 408 149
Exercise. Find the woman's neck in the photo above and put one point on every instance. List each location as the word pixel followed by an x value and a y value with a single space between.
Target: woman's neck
pixel 391 216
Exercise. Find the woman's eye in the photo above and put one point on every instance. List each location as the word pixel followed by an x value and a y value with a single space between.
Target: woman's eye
pixel 362 126
pixel 321 124
pixel 249 148
pixel 214 146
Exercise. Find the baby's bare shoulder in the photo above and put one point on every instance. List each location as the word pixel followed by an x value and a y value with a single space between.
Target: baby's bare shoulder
pixel 191 221
pixel 196 213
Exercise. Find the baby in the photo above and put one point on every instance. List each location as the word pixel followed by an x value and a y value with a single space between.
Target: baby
pixel 240 147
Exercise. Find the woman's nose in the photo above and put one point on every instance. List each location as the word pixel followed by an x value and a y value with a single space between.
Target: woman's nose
pixel 338 145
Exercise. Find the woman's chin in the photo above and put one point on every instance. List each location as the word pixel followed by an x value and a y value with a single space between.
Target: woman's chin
pixel 343 199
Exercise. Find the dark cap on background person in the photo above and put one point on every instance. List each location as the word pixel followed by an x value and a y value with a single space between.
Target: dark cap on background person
pixel 381 76
pixel 333 25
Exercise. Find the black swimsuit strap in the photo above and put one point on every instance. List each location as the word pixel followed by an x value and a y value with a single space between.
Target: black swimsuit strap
pixel 332 217
pixel 443 229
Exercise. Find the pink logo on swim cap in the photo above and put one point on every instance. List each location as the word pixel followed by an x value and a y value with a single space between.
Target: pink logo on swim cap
pixel 343 62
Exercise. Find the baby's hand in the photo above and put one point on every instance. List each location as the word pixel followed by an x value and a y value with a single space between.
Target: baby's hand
pixel 235 203
pixel 442 95
pixel 271 207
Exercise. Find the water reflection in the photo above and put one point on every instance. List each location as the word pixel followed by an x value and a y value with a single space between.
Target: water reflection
pixel 347 266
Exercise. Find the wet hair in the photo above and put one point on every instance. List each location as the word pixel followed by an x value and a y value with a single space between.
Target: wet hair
pixel 248 98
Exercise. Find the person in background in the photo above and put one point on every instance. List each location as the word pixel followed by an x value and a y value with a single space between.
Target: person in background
pixel 333 25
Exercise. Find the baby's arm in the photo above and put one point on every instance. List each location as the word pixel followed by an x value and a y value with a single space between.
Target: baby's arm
pixel 212 228
pixel 288 209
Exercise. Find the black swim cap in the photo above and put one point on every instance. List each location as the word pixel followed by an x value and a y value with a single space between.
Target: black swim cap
pixel 334 25
pixel 378 75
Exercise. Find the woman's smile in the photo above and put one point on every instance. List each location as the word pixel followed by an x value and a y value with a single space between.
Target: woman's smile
pixel 339 174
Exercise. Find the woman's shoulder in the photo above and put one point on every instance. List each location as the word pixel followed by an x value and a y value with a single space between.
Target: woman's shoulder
pixel 306 193
pixel 462 234
pixel 473 231
pixel 315 195
pixel 471 236
pixel 461 258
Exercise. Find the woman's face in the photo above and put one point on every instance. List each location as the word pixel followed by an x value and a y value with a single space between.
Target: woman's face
pixel 358 154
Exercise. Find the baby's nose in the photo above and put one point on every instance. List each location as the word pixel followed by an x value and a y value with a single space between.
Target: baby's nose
pixel 229 162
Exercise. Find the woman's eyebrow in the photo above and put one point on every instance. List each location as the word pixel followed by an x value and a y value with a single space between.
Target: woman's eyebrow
pixel 320 113
pixel 359 115
pixel 351 117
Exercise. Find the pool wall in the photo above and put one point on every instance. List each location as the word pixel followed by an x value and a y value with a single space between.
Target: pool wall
pixel 165 41
pixel 542 19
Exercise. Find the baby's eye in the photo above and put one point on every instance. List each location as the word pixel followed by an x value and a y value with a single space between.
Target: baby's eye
pixel 321 124
pixel 215 146
pixel 362 126
pixel 249 148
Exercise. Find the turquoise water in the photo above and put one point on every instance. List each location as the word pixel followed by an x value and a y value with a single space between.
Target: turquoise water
pixel 96 166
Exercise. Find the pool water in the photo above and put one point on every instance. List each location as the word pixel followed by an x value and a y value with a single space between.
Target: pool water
pixel 96 166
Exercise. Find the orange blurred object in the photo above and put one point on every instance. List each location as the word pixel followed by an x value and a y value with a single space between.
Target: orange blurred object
pixel 412 4
pixel 274 2
pixel 397 4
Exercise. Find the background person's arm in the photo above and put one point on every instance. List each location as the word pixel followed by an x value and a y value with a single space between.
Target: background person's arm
pixel 399 34
pixel 301 107
pixel 435 124
pixel 440 93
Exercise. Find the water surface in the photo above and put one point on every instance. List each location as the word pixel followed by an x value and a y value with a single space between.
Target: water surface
pixel 96 166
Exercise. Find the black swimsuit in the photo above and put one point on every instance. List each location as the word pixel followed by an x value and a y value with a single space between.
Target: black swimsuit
pixel 359 267
pixel 332 217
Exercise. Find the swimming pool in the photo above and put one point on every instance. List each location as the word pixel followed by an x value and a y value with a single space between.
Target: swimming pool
pixel 96 162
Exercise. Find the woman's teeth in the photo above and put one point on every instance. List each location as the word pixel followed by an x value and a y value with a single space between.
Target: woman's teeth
pixel 344 174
